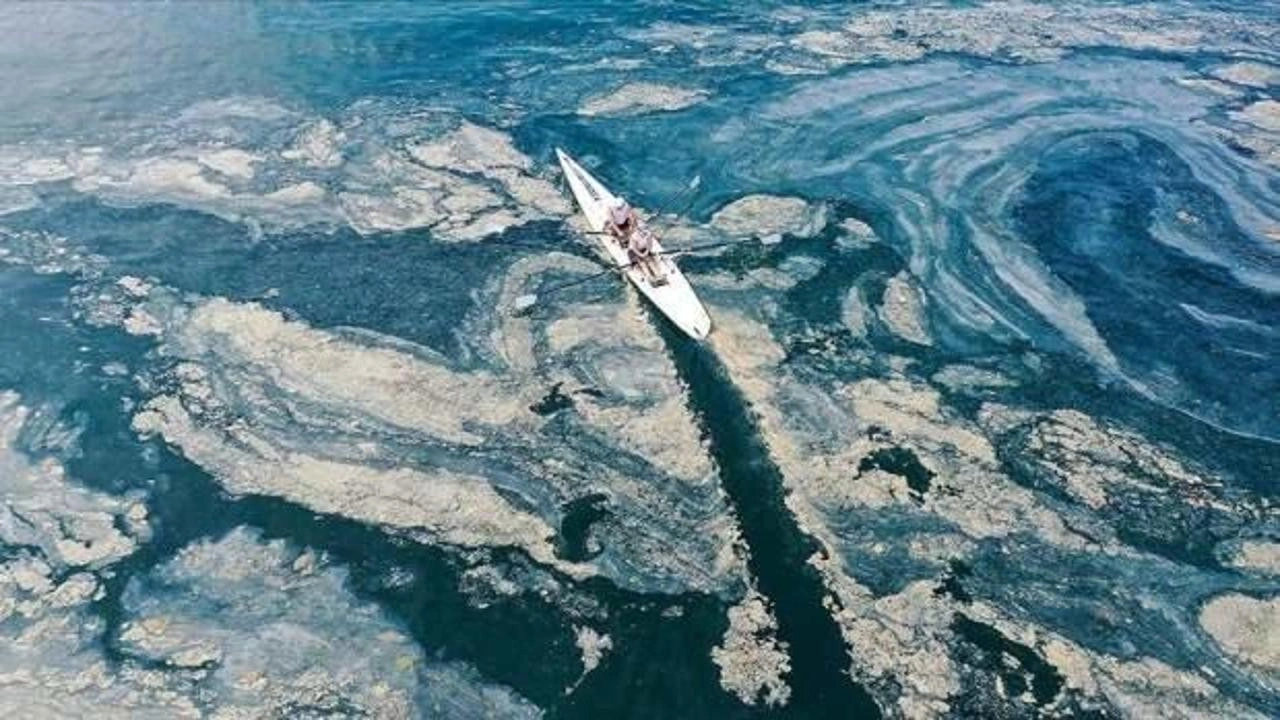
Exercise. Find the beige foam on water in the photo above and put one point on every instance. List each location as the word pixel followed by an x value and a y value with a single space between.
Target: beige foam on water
pixel 769 217
pixel 901 642
pixel 325 647
pixel 282 378
pixel 638 98
pixel 753 664
pixel 464 184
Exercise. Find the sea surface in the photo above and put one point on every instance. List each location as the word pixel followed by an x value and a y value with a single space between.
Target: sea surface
pixel 988 424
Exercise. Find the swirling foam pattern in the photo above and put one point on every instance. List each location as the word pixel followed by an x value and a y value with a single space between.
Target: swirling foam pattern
pixel 988 426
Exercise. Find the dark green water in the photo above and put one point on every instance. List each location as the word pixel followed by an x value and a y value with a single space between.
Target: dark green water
pixel 779 549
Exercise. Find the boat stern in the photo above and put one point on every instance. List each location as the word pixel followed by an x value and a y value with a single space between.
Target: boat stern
pixel 702 328
pixel 697 324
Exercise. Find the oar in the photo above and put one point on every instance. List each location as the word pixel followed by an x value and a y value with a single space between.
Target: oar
pixel 524 302
pixel 699 248
pixel 693 185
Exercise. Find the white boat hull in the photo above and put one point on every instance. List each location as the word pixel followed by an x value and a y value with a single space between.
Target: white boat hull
pixel 675 297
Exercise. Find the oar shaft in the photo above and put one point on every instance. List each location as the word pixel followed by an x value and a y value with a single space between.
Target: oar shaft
pixel 700 248
pixel 623 268
pixel 693 185
pixel 587 279
pixel 667 205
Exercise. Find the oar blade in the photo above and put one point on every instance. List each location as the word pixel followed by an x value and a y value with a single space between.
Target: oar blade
pixel 524 302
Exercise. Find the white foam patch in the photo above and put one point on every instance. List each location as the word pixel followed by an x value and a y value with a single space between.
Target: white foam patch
pixel 612 349
pixel 1025 32
pixel 593 645
pixel 236 107
pixel 903 309
pixel 308 362
pixel 1209 86
pixel 857 235
pixel 639 98
pixel 276 407
pixel 753 664
pixel 901 643
pixel 1251 74
pixel 853 312
pixel 768 278
pixel 1136 687
pixel 232 162
pixel 299 361
pixel 818 438
pixel 380 169
pixel 1264 114
pixel 450 507
pixel 815 41
pixel 966 377
pixel 1103 466
pixel 51 664
pixel 47 254
pixel 901 638
pixel 720 45
pixel 72 526
pixel 1248 628
pixel 607 63
pixel 173 178
pixel 57 534
pixel 1052 299
pixel 1249 132
pixel 464 185
pixel 22 165
pixel 231 628
pixel 179 179
pixel 1260 556
pixel 635 372
pixel 318 144
pixel 277 629
pixel 769 218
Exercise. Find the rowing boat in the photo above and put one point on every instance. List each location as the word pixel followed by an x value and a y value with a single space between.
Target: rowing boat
pixel 663 283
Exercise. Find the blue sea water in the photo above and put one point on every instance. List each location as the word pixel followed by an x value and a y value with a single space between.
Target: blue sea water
pixel 988 426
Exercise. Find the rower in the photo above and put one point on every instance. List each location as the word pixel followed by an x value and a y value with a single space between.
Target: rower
pixel 640 253
pixel 622 222
pixel 635 239
pixel 639 245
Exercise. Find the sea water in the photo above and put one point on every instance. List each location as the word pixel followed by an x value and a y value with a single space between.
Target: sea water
pixel 987 425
